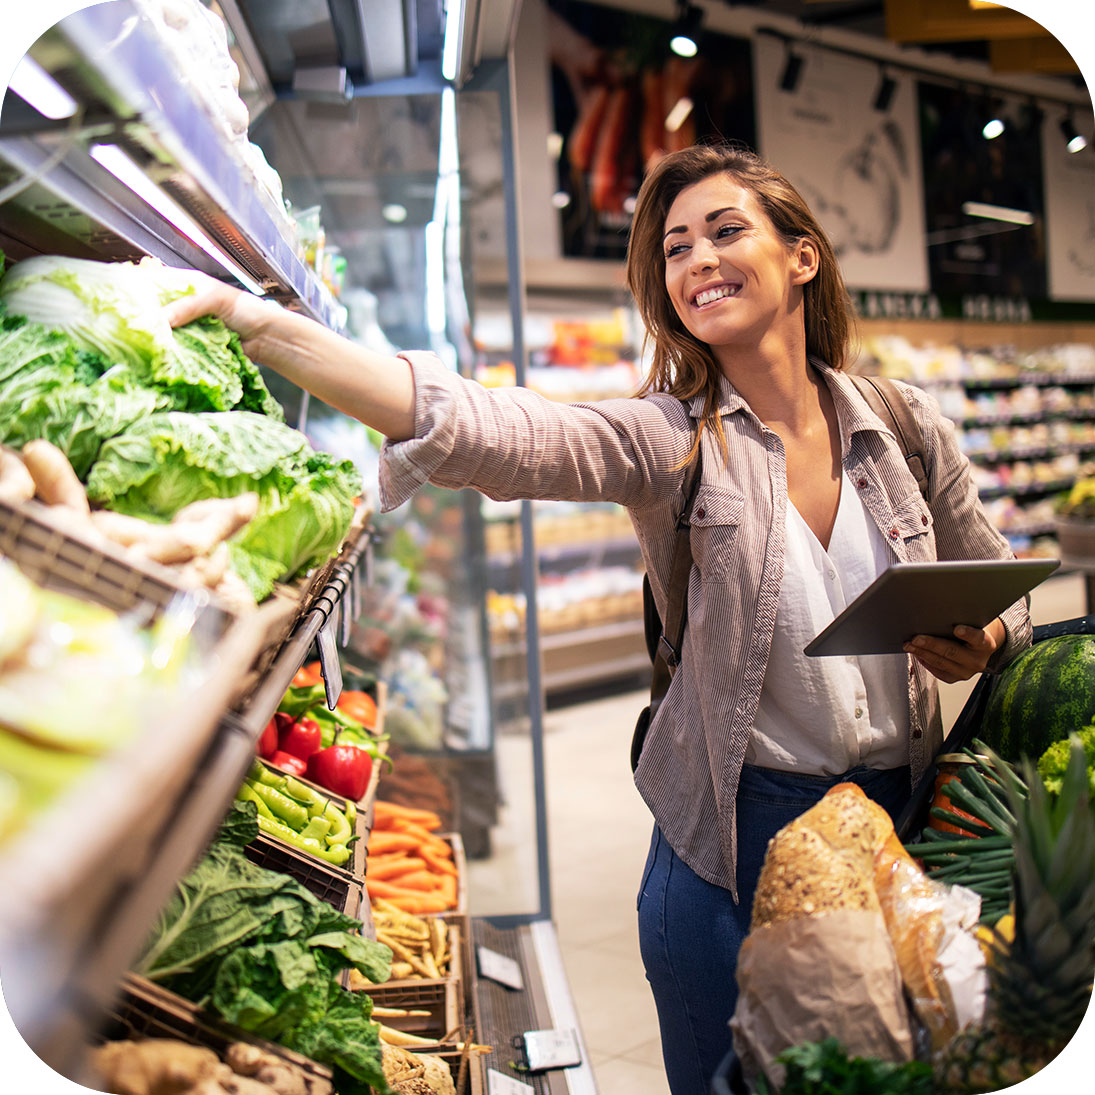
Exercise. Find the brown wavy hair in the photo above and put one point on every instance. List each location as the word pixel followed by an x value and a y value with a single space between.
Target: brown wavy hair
pixel 682 365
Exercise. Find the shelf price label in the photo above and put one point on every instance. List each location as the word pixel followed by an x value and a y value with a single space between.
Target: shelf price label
pixel 497 967
pixel 498 1083
pixel 328 661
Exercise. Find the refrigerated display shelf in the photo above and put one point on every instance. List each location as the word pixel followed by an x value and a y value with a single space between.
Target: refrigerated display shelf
pixel 109 59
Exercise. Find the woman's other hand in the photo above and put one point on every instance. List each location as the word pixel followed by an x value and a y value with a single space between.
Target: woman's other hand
pixel 962 657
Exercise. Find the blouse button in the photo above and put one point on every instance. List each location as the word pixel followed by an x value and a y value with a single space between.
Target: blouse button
pixel 701 513
pixel 924 519
pixel 894 534
pixel 918 733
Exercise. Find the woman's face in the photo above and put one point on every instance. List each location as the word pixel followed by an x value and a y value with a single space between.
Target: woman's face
pixel 731 278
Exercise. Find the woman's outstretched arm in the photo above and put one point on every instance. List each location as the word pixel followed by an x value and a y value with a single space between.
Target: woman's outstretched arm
pixel 373 388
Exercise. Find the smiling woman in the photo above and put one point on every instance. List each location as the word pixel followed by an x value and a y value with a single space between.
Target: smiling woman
pixel 802 500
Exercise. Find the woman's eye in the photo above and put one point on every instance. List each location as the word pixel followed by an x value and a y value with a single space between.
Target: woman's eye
pixel 726 230
pixel 676 249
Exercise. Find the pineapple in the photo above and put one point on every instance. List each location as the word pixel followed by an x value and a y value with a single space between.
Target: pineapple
pixel 1040 982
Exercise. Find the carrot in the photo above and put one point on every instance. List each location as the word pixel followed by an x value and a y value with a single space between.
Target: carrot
pixel 409 828
pixel 587 128
pixel 386 812
pixel 447 888
pixel 391 866
pixel 382 842
pixel 418 880
pixel 436 861
pixel 607 183
pixel 402 897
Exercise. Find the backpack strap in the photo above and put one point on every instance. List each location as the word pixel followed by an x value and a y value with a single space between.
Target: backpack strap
pixel 663 643
pixel 887 402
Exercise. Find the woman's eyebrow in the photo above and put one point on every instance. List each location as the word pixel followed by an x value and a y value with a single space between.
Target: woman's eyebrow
pixel 712 216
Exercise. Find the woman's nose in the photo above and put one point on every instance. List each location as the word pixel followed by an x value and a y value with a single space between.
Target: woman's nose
pixel 703 255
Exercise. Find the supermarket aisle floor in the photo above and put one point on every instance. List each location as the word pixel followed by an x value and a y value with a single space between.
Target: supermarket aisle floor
pixel 599 830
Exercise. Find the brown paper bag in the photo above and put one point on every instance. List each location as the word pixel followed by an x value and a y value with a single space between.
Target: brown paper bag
pixel 807 979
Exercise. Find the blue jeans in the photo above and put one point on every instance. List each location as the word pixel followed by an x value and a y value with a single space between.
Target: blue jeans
pixel 690 930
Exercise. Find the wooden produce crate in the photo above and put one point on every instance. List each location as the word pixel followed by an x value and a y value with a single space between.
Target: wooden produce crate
pixel 328 883
pixel 145 1010
pixel 354 867
pixel 441 998
pixel 467 1069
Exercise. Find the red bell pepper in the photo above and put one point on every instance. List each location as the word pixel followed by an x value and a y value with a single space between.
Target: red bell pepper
pixel 344 769
pixel 286 762
pixel 268 739
pixel 301 738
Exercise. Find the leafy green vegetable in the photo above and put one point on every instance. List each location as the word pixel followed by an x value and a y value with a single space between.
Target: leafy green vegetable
pixel 115 309
pixel 824 1068
pixel 165 461
pixel 1053 763
pixel 265 954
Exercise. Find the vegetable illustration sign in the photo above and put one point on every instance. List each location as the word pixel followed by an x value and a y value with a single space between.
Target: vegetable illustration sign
pixel 622 99
pixel 858 167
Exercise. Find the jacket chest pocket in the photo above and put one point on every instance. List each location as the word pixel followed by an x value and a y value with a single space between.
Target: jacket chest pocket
pixel 910 530
pixel 716 518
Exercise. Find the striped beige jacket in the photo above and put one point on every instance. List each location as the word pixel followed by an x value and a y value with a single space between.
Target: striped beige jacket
pixel 512 443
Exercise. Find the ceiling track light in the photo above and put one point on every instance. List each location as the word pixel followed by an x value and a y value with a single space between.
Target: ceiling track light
pixel 1075 141
pixel 994 124
pixel 684 37
pixel 884 93
pixel 792 71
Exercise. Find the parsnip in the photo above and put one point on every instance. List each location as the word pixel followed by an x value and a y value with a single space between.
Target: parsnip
pixel 16 483
pixel 54 480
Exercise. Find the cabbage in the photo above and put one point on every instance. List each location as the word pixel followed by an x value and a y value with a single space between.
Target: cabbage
pixel 168 460
pixel 115 310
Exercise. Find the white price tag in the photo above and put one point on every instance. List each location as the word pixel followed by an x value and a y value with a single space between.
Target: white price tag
pixel 552 1049
pixel 497 967
pixel 329 663
pixel 498 1083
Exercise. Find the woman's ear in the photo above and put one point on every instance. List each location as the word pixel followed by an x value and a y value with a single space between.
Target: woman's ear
pixel 806 261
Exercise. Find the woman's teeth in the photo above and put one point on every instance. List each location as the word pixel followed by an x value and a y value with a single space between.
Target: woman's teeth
pixel 709 295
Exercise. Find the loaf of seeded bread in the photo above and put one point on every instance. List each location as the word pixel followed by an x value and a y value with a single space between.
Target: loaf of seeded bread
pixel 843 853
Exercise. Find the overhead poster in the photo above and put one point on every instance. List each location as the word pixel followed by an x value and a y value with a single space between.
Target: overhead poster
pixel 620 99
pixel 1070 207
pixel 858 167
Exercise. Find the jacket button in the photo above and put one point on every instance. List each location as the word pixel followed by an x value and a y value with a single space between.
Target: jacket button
pixel 894 534
pixel 918 733
pixel 861 482
pixel 924 519
pixel 701 513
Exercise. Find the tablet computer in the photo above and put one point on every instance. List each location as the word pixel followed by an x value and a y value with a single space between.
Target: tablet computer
pixel 928 599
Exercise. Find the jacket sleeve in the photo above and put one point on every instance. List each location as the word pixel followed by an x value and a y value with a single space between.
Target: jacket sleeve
pixel 514 443
pixel 962 528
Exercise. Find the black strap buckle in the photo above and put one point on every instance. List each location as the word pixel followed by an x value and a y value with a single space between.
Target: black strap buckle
pixel 670 656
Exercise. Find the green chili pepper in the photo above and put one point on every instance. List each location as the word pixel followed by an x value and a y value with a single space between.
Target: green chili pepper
pixel 282 806
pixel 317 829
pixel 336 854
pixel 245 794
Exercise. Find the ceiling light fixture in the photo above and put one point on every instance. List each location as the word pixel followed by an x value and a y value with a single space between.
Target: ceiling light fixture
pixel 126 171
pixel 36 87
pixel 997 213
pixel 684 37
pixel 1075 141
pixel 453 39
pixel 792 70
pixel 884 93
pixel 677 116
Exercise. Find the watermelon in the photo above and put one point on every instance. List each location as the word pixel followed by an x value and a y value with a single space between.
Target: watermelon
pixel 1044 695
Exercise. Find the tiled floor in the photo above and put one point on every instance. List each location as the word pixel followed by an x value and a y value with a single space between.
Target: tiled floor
pixel 598 830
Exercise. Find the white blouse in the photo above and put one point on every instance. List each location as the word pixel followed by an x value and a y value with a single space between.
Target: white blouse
pixel 823 716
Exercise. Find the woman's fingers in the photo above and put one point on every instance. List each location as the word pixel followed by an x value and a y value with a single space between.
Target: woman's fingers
pixel 957 659
pixel 243 312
